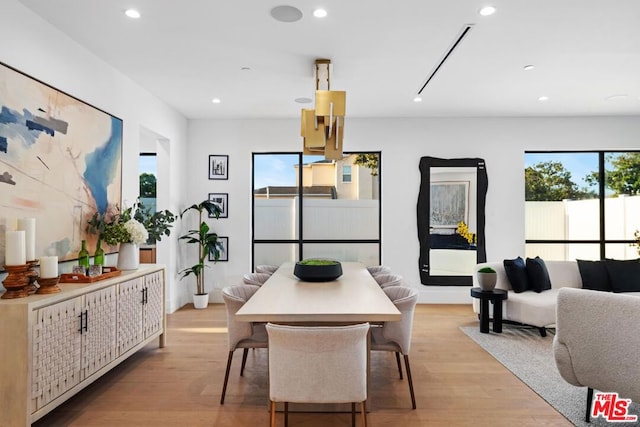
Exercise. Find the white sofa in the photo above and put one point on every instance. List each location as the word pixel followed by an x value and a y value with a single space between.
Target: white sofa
pixel 596 343
pixel 529 307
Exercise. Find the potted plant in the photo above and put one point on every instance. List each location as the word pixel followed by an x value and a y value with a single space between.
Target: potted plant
pixel 130 228
pixel 487 278
pixel 207 243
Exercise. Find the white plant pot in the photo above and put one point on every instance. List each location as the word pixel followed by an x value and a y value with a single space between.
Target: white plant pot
pixel 128 257
pixel 487 281
pixel 200 301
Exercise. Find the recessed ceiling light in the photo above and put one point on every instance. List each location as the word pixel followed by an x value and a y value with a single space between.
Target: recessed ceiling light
pixel 543 98
pixel 616 97
pixel 132 13
pixel 286 14
pixel 245 68
pixel 417 99
pixel 319 13
pixel 529 67
pixel 487 10
pixel 216 100
pixel 303 100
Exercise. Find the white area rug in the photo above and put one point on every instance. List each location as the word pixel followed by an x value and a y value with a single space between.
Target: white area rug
pixel 530 357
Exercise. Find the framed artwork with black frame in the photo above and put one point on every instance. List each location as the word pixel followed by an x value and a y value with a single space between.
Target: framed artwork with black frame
pixel 222 201
pixel 224 252
pixel 218 166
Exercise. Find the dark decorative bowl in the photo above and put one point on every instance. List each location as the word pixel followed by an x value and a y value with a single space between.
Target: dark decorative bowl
pixel 310 272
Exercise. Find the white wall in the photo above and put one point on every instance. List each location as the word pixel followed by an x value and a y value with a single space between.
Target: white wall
pixel 34 47
pixel 500 141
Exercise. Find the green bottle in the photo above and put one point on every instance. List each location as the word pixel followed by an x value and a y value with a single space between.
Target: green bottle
pixel 83 256
pixel 98 256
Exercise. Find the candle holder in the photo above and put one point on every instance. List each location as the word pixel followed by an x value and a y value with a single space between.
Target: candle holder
pixel 33 276
pixel 16 281
pixel 48 286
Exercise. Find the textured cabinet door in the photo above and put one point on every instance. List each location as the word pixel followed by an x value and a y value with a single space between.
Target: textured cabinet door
pixel 56 351
pixel 153 312
pixel 99 338
pixel 129 330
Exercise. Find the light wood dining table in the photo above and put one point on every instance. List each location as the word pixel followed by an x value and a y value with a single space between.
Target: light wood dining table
pixel 355 297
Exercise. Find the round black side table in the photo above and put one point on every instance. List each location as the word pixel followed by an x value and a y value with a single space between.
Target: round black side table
pixel 496 297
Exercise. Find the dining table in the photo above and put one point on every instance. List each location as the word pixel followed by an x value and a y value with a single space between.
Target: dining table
pixel 354 297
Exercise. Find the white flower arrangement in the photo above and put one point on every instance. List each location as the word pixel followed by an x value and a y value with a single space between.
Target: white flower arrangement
pixel 137 233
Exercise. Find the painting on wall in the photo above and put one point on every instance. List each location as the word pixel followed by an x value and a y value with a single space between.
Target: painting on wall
pixel 222 201
pixel 224 250
pixel 449 203
pixel 60 161
pixel 218 166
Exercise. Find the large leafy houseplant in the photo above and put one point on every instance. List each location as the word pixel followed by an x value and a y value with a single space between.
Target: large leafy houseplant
pixel 206 241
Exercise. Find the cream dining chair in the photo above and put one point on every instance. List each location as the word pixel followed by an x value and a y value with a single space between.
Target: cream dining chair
pixel 243 335
pixel 265 268
pixel 318 364
pixel 386 280
pixel 379 269
pixel 255 279
pixel 396 336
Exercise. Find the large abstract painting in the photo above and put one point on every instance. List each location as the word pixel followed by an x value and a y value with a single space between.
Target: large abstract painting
pixel 60 161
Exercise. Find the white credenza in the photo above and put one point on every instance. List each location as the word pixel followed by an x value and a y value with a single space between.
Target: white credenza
pixel 53 346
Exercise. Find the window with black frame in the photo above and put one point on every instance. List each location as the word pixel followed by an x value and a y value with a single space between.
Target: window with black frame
pixel 582 205
pixel 303 207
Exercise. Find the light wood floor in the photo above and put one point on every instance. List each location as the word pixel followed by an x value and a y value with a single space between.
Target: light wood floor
pixel 456 383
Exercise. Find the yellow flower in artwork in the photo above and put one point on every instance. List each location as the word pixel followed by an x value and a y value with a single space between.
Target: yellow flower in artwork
pixel 463 230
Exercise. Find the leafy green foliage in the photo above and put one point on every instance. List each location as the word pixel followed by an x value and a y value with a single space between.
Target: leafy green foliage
pixel 486 270
pixel 147 185
pixel 369 161
pixel 550 181
pixel 317 262
pixel 207 242
pixel 624 178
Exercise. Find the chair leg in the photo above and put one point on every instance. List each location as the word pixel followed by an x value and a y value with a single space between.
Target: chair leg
pixel 244 360
pixel 286 414
pixel 409 380
pixel 226 377
pixel 399 365
pixel 543 331
pixel 363 411
pixel 587 416
pixel 273 414
pixel 353 414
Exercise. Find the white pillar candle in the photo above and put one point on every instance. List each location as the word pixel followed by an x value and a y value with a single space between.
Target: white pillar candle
pixel 29 227
pixel 48 267
pixel 14 253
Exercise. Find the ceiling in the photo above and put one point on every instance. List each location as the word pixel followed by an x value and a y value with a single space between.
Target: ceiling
pixel 586 54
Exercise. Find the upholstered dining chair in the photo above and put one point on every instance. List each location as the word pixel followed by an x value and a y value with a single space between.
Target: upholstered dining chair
pixel 386 280
pixel 243 335
pixel 265 268
pixel 379 269
pixel 396 336
pixel 255 279
pixel 318 364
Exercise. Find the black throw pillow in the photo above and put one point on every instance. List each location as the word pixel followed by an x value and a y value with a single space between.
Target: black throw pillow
pixel 516 270
pixel 624 274
pixel 538 275
pixel 594 275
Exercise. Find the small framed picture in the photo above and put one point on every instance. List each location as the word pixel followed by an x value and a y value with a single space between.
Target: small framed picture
pixel 222 201
pixel 224 252
pixel 218 166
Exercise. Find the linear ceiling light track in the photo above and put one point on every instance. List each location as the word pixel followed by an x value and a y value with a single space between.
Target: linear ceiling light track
pixel 461 35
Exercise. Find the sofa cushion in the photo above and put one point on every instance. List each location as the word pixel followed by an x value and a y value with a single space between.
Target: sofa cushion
pixel 516 270
pixel 594 275
pixel 537 275
pixel 624 274
pixel 531 308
